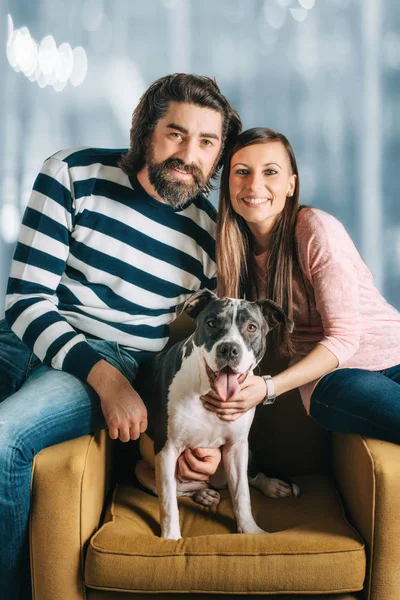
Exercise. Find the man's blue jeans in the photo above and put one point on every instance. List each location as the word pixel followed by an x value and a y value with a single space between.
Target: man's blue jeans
pixel 359 401
pixel 39 407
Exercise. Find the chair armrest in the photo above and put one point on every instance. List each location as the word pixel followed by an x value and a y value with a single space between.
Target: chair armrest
pixel 69 484
pixel 367 473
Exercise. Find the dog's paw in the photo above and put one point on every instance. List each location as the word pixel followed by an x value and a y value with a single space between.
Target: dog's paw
pixel 171 535
pixel 250 528
pixel 274 488
pixel 207 497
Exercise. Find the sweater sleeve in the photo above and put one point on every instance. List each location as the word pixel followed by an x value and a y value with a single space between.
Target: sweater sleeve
pixel 38 264
pixel 328 258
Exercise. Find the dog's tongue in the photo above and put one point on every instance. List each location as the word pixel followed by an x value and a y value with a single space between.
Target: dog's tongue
pixel 226 383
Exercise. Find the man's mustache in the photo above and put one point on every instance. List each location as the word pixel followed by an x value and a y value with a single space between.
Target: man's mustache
pixel 177 163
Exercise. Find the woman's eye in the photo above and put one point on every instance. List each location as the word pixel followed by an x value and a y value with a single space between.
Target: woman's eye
pixel 242 172
pixel 211 323
pixel 271 172
pixel 251 327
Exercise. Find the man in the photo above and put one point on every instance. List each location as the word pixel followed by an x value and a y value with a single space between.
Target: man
pixel 110 244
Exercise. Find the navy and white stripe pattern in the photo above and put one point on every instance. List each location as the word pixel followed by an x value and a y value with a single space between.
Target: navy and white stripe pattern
pixel 98 257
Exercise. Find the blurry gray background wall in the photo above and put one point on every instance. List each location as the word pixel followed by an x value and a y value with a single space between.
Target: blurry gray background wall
pixel 326 73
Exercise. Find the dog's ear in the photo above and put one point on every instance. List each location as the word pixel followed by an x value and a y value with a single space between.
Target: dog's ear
pixel 274 314
pixel 195 304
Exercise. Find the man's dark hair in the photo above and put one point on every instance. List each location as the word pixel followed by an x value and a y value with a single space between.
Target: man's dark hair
pixel 153 105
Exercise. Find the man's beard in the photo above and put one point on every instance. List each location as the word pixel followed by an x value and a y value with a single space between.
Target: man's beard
pixel 170 188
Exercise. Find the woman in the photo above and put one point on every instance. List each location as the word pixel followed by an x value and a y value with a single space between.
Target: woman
pixel 345 348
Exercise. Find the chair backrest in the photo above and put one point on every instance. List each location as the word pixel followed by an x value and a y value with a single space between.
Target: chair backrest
pixel 283 438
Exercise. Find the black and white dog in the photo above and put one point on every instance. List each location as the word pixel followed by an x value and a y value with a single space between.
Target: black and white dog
pixel 227 344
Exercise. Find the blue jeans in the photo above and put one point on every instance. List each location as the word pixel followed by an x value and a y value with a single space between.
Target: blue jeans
pixel 359 401
pixel 39 407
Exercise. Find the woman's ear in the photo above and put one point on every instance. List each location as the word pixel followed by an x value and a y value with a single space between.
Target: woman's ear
pixel 292 185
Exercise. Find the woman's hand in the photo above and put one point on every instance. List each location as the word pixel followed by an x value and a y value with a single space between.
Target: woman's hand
pixel 198 464
pixel 251 393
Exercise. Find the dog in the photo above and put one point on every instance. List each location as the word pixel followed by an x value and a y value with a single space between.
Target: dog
pixel 227 344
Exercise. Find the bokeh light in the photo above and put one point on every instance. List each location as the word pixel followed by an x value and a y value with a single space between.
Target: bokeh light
pixel 308 4
pixel 299 14
pixel 10 222
pixel 44 63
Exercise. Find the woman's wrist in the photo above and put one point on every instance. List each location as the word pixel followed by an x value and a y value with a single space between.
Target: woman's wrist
pixel 279 384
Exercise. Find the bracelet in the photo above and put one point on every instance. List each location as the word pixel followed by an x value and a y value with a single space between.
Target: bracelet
pixel 270 395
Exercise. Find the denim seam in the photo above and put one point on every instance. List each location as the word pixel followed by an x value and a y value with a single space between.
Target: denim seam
pixel 31 363
pixel 13 471
pixel 123 366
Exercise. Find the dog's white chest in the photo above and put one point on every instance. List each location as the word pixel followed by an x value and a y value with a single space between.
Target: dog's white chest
pixel 192 425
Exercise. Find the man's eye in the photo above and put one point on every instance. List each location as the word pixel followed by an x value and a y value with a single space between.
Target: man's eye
pixel 175 135
pixel 207 143
pixel 251 327
pixel 211 323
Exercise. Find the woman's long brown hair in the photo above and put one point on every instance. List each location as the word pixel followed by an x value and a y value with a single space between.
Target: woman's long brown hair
pixel 235 257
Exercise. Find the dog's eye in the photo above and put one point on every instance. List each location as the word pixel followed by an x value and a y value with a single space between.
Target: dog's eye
pixel 211 322
pixel 251 327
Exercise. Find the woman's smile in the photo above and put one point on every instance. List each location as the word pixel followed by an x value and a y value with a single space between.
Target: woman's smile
pixel 250 201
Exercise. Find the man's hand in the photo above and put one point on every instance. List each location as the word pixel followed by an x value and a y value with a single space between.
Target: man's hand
pixel 122 407
pixel 198 464
pixel 251 393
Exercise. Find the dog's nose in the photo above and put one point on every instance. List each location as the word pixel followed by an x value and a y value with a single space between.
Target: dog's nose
pixel 228 350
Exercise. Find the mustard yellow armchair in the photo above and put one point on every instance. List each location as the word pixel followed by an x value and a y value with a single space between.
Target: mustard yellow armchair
pixel 339 540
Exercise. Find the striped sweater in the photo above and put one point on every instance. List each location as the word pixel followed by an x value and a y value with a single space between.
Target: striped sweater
pixel 97 257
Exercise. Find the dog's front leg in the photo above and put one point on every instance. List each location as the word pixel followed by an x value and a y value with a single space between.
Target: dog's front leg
pixel 165 467
pixel 236 457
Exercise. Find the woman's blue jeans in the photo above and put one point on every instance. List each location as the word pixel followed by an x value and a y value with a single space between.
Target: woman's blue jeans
pixel 39 407
pixel 359 401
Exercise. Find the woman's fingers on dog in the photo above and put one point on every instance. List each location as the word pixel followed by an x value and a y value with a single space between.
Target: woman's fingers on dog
pixel 222 404
pixel 218 409
pixel 211 399
pixel 230 417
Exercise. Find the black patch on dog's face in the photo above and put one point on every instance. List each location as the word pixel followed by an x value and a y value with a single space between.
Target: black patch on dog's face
pixel 213 323
pixel 248 317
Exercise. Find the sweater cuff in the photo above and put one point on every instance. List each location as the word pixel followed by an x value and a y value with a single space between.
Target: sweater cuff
pixel 80 360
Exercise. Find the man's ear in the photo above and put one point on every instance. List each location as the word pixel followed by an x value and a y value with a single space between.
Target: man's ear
pixel 274 314
pixel 195 304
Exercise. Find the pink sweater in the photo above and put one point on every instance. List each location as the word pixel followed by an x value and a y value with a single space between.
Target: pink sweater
pixel 345 313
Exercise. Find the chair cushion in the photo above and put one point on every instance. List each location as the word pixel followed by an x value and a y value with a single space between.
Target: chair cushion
pixel 311 548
